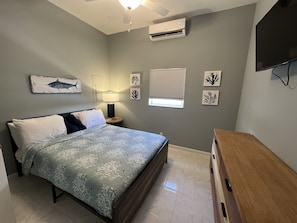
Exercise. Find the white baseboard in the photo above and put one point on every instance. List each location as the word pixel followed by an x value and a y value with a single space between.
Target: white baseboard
pixel 189 149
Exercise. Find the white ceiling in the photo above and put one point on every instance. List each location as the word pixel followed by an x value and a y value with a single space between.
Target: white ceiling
pixel 108 15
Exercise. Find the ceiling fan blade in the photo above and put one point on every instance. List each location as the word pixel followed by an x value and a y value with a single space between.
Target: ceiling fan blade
pixel 155 7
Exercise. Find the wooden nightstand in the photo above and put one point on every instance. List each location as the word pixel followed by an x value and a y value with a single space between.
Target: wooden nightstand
pixel 115 121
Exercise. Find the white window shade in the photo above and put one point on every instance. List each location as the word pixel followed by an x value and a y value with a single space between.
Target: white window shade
pixel 167 84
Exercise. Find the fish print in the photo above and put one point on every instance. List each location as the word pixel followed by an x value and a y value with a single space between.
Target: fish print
pixel 61 85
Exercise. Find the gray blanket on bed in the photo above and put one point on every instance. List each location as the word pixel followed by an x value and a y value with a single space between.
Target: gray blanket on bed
pixel 95 165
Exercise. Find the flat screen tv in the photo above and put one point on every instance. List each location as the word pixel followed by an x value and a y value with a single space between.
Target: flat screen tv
pixel 276 36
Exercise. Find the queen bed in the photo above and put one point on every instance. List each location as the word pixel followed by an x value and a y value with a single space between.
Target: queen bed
pixel 108 169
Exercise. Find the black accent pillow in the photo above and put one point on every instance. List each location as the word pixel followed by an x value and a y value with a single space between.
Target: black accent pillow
pixel 72 123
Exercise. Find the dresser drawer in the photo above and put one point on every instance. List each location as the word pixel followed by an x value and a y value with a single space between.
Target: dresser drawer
pixel 219 201
pixel 253 183
pixel 233 213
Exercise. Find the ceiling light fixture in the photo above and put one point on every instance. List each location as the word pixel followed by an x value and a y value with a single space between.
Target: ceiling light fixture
pixel 130 4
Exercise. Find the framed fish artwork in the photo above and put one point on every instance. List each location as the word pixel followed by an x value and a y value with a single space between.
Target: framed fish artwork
pixel 54 85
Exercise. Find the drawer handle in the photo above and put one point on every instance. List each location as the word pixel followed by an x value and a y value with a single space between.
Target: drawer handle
pixel 224 210
pixel 213 156
pixel 228 185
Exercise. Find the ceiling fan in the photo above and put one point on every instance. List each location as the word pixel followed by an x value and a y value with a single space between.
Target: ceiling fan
pixel 130 5
pixel 133 4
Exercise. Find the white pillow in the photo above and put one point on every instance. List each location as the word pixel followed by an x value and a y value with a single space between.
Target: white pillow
pixel 19 155
pixel 90 118
pixel 27 132
pixel 15 134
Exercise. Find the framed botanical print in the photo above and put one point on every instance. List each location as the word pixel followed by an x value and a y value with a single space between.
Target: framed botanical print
pixel 135 93
pixel 212 78
pixel 134 79
pixel 210 97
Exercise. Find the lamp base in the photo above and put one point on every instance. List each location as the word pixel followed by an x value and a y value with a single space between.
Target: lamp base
pixel 110 110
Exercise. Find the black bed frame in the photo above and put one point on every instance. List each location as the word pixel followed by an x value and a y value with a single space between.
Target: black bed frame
pixel 125 207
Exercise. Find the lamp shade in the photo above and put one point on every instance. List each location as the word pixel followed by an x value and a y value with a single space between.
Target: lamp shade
pixel 110 97
pixel 130 4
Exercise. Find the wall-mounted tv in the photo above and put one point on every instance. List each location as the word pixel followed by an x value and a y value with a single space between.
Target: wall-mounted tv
pixel 276 36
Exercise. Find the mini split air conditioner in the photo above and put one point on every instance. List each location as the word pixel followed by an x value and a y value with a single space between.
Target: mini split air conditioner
pixel 168 30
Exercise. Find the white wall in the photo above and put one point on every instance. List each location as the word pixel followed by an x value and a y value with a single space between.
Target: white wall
pixel 6 208
pixel 267 108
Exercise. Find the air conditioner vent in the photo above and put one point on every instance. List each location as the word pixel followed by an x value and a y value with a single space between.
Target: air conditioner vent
pixel 168 30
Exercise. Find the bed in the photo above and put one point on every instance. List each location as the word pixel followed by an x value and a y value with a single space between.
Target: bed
pixel 106 168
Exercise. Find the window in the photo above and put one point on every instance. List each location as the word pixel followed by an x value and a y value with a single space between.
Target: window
pixel 167 87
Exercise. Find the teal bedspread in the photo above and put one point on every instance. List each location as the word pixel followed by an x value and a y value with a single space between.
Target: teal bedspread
pixel 95 165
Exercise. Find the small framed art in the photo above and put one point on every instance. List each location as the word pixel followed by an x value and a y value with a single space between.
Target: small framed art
pixel 134 79
pixel 135 93
pixel 210 97
pixel 212 78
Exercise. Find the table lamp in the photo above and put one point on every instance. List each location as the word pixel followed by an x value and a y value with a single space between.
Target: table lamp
pixel 110 97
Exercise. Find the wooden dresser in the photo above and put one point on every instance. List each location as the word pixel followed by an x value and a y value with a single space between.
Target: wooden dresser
pixel 250 183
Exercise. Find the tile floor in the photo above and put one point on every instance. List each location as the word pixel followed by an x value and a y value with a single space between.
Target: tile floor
pixel 181 194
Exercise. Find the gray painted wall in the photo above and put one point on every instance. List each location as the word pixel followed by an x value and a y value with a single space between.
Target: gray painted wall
pixel 267 107
pixel 38 38
pixel 217 41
